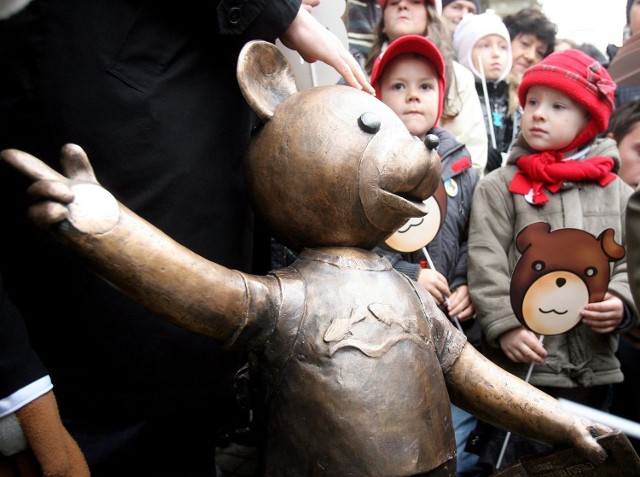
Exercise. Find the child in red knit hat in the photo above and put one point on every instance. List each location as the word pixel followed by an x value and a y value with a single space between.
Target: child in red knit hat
pixel 461 115
pixel 560 173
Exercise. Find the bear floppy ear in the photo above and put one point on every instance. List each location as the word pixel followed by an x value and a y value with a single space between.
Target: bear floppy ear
pixel 265 77
pixel 528 234
pixel 611 248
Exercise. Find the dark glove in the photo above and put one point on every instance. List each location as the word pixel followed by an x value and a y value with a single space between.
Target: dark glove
pixel 494 160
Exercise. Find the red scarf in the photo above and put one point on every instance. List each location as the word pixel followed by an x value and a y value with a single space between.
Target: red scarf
pixel 548 170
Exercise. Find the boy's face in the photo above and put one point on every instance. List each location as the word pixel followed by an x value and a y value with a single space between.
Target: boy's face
pixel 405 17
pixel 526 50
pixel 551 120
pixel 629 149
pixel 453 13
pixel 409 86
pixel 493 51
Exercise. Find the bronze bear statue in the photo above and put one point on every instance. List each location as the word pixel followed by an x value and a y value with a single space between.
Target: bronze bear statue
pixel 355 364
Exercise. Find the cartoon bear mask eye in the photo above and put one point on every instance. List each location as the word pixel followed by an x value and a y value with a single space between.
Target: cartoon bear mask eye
pixel 538 265
pixel 591 272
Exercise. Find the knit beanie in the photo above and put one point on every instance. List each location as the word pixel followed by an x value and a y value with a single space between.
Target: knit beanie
pixel 419 45
pixel 582 79
pixel 475 2
pixel 470 30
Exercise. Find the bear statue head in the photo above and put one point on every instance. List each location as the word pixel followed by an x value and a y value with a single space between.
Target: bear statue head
pixel 331 165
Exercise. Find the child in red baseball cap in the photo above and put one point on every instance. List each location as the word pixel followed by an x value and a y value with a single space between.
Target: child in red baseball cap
pixel 411 61
pixel 409 77
pixel 561 173
pixel 462 114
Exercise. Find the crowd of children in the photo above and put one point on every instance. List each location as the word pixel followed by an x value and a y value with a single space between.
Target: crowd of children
pixel 560 151
pixel 525 134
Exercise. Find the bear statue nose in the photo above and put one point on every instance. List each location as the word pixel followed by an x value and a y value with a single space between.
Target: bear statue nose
pixel 560 282
pixel 432 141
pixel 426 171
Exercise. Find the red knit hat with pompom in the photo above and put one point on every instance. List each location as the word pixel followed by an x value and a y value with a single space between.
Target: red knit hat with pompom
pixel 582 79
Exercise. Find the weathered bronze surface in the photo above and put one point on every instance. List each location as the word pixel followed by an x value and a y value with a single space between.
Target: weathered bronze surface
pixel 622 461
pixel 353 364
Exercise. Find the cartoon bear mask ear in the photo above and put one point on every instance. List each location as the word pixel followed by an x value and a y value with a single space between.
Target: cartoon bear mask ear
pixel 265 77
pixel 531 233
pixel 610 247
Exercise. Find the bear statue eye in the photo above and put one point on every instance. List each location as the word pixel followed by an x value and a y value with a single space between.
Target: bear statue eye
pixel 538 265
pixel 369 123
pixel 591 271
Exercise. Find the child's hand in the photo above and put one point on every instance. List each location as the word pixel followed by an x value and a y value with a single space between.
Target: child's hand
pixel 460 304
pixel 604 316
pixel 435 283
pixel 522 346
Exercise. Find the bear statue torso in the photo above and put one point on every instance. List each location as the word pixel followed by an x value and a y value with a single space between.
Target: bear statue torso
pixel 354 369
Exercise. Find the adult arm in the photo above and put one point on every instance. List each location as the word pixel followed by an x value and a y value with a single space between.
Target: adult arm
pixel 50 446
pixel 32 435
pixel 314 43
pixel 291 22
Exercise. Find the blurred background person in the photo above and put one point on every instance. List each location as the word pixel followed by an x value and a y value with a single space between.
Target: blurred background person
pixel 361 18
pixel 454 10
pixel 625 65
pixel 483 45
pixel 563 44
pixel 533 37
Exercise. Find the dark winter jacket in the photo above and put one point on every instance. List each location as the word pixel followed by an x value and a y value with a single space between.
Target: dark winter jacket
pixel 448 249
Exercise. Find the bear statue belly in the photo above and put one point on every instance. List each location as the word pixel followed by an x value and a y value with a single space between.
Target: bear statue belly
pixel 359 378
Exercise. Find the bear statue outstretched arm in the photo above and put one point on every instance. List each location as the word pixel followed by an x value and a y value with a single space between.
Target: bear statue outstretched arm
pixel 136 257
pixel 506 401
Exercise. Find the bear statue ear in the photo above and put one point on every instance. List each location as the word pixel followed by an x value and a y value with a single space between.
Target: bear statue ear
pixel 528 234
pixel 265 77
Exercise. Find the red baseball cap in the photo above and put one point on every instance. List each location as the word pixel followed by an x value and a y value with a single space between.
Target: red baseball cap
pixel 419 45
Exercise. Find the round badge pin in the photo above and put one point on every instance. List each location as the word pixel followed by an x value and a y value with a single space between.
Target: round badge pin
pixel 529 197
pixel 451 187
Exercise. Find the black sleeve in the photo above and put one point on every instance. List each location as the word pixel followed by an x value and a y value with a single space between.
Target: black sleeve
pixel 494 160
pixel 256 19
pixel 19 365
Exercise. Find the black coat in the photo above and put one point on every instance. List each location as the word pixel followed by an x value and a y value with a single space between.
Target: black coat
pixel 150 93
